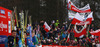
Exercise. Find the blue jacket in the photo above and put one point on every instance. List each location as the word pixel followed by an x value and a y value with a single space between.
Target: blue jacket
pixel 29 42
pixel 64 35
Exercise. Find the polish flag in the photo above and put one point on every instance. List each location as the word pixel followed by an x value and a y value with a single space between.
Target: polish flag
pixel 68 37
pixel 77 19
pixel 72 7
pixel 97 32
pixel 90 18
pixel 85 9
pixel 80 34
pixel 68 1
pixel 69 4
pixel 46 27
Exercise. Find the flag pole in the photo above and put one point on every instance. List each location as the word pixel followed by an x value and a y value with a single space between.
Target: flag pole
pixel 13 27
pixel 26 11
pixel 69 26
pixel 88 30
pixel 11 21
pixel 15 13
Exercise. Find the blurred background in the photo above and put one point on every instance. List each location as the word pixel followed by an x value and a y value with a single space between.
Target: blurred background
pixel 49 10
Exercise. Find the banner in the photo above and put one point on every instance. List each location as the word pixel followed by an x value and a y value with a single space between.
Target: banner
pixel 58 46
pixel 81 10
pixel 72 7
pixel 96 33
pixel 79 20
pixel 5 25
pixel 71 14
pixel 81 32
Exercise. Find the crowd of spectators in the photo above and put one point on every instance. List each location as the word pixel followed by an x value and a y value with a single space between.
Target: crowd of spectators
pixel 58 36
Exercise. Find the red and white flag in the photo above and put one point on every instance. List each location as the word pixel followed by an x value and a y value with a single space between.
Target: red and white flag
pixel 80 10
pixel 72 7
pixel 81 32
pixel 90 18
pixel 97 32
pixel 68 37
pixel 46 27
pixel 77 19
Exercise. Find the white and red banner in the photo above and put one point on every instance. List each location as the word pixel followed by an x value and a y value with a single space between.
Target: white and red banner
pixel 72 7
pixel 58 46
pixel 71 14
pixel 90 18
pixel 5 25
pixel 79 20
pixel 81 32
pixel 46 27
pixel 97 32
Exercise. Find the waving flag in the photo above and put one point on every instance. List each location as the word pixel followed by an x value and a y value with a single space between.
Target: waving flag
pixel 68 37
pixel 72 7
pixel 77 19
pixel 90 18
pixel 81 10
pixel 46 27
pixel 97 32
pixel 81 32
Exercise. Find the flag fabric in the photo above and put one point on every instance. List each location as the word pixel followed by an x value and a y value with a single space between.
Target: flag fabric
pixel 68 37
pixel 96 33
pixel 79 33
pixel 77 19
pixel 84 9
pixel 80 10
pixel 69 4
pixel 81 36
pixel 90 18
pixel 46 27
pixel 68 1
